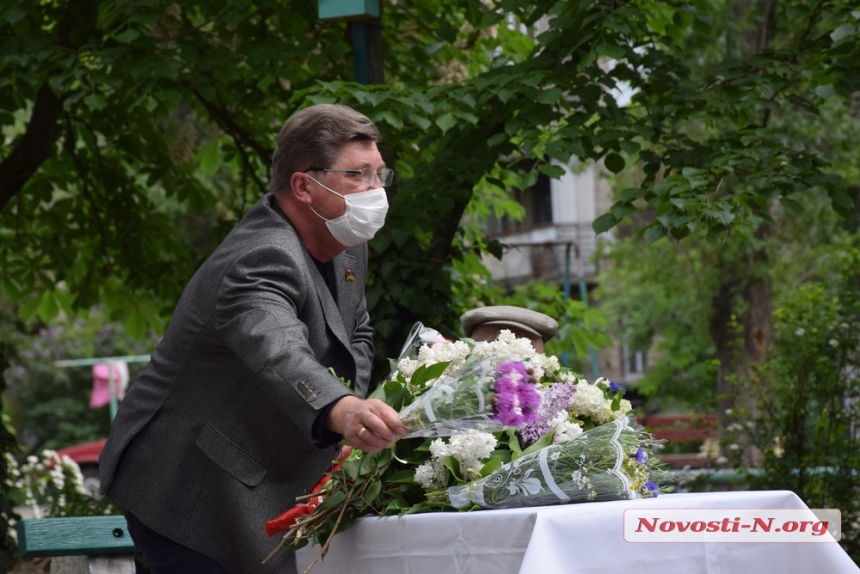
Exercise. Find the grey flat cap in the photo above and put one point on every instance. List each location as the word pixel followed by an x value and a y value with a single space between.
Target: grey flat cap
pixel 538 324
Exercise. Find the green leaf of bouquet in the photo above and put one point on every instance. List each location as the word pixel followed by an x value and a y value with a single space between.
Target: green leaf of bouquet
pixel 296 544
pixel 352 468
pixel 397 398
pixel 374 487
pixel 491 466
pixel 380 391
pixel 416 508
pixel 453 466
pixel 426 373
pixel 402 476
pixel 503 455
pixel 514 442
pixel 345 523
pixel 391 387
pixel 540 443
pixel 333 499
pixel 396 505
pixel 377 462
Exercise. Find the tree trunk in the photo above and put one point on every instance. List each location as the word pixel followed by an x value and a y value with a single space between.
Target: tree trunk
pixel 741 328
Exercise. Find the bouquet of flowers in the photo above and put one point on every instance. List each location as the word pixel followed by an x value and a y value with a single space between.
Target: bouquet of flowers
pixel 486 394
pixel 608 462
pixel 491 425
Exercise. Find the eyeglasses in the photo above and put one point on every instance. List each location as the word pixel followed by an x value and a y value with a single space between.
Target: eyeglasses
pixel 368 176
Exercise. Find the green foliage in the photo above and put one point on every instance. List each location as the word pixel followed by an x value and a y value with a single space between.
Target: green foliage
pixel 658 297
pixel 677 298
pixel 807 396
pixel 469 102
pixel 711 156
pixel 49 405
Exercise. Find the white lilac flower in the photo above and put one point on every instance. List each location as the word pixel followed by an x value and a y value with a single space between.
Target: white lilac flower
pixel 507 344
pixel 454 352
pixel 588 400
pixel 568 377
pixel 407 366
pixel 469 448
pixel 439 448
pixel 566 430
pixel 431 474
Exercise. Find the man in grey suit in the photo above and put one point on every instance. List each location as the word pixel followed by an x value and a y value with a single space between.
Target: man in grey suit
pixel 265 365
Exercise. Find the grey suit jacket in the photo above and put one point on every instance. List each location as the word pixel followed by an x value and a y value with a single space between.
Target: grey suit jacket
pixel 215 436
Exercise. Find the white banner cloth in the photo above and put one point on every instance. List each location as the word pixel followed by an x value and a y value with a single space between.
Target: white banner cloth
pixel 565 539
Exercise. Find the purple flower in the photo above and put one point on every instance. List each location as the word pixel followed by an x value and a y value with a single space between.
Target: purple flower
pixel 616 387
pixel 514 369
pixel 652 487
pixel 555 398
pixel 641 455
pixel 516 398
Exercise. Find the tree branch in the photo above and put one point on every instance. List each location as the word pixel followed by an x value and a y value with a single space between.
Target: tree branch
pixel 34 147
pixel 240 134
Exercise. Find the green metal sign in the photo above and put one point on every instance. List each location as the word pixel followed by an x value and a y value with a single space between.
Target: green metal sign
pixel 348 9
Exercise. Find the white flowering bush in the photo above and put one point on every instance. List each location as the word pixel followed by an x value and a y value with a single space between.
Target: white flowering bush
pixel 51 485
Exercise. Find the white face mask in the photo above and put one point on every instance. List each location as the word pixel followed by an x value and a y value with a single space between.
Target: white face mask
pixel 364 216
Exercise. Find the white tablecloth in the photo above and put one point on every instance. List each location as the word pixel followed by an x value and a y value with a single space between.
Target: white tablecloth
pixel 573 538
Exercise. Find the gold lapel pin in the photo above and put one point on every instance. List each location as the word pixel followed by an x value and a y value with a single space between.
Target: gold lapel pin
pixel 350 276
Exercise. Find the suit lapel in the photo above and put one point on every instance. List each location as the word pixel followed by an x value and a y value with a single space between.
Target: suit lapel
pixel 345 282
pixel 331 313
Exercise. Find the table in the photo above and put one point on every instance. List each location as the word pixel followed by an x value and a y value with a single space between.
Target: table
pixel 573 538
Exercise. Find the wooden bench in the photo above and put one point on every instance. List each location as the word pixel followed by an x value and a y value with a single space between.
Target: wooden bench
pixel 79 545
pixel 690 431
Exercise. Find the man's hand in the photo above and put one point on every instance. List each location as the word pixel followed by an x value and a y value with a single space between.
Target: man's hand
pixel 370 425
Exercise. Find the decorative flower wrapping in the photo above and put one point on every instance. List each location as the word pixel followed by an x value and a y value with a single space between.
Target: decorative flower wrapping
pixel 608 462
pixel 486 394
pixel 491 425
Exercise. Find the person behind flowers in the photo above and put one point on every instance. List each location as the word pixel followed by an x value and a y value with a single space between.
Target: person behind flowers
pixel 485 324
pixel 244 402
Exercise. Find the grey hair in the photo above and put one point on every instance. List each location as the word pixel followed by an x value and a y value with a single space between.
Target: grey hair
pixel 314 137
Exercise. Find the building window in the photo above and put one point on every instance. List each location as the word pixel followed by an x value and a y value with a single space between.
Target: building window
pixel 537 201
pixel 634 362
